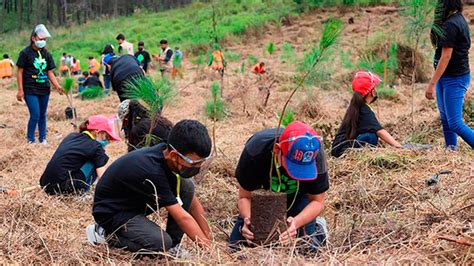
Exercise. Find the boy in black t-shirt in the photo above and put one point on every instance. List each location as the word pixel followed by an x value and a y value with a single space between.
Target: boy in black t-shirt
pixel 299 170
pixel 360 126
pixel 141 182
pixel 143 56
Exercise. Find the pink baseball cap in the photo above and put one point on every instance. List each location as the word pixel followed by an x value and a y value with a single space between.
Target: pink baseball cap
pixel 103 123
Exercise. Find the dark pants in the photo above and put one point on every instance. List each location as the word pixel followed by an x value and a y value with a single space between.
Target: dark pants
pixel 78 182
pixel 107 83
pixel 141 234
pixel 37 106
pixel 311 230
pixel 450 92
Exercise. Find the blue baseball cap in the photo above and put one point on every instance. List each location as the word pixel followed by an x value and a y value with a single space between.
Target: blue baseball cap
pixel 300 146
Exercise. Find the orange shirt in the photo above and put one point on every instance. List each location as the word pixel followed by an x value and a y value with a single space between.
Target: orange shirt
pixel 257 69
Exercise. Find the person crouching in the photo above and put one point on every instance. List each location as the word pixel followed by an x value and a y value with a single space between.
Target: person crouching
pixel 80 158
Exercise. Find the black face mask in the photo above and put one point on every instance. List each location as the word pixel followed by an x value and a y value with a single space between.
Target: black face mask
pixel 188 172
pixel 140 48
pixel 375 98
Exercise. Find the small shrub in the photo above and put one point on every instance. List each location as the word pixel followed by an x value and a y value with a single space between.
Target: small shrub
pixel 270 48
pixel 232 56
pixel 386 93
pixel 215 109
pixel 92 93
pixel 288 53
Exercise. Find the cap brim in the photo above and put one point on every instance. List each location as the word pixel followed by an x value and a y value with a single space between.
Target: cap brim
pixel 301 172
pixel 114 136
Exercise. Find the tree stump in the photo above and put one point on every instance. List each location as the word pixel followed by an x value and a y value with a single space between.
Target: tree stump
pixel 268 216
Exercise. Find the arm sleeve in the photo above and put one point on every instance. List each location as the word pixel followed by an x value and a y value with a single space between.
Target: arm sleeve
pixel 22 59
pixel 448 38
pixel 169 54
pixel 147 57
pixel 159 188
pixel 100 158
pixel 321 183
pixel 247 172
pixel 50 62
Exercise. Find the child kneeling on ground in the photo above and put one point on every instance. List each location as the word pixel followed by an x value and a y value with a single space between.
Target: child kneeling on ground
pixel 80 158
pixel 360 126
pixel 299 158
pixel 141 182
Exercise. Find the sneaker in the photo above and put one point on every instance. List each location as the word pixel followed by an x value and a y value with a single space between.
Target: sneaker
pixel 95 234
pixel 321 222
pixel 31 142
pixel 179 252
pixel 44 143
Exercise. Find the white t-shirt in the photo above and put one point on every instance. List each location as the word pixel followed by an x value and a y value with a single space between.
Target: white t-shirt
pixel 127 48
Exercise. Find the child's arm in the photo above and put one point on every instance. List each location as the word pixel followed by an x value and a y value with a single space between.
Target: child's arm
pixel 387 138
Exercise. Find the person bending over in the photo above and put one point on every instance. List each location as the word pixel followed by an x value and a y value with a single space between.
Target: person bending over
pixel 299 170
pixel 136 123
pixel 360 126
pixel 80 158
pixel 141 182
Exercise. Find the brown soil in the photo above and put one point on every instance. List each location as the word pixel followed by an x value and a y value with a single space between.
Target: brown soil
pixel 268 216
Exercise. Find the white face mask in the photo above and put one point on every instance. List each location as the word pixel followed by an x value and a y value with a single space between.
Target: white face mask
pixel 40 44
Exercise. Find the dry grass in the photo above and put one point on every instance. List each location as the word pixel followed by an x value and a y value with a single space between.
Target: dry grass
pixel 378 207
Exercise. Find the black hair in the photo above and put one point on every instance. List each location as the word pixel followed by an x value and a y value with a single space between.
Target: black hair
pixel 85 73
pixel 443 11
pixel 91 57
pixel 189 136
pixel 351 118
pixel 74 60
pixel 64 54
pixel 164 41
pixel 141 43
pixel 108 49
pixel 120 37
pixel 5 56
pixel 177 48
pixel 96 74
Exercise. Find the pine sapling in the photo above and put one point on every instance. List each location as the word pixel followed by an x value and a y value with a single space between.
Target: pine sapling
pixel 331 32
pixel 419 15
pixel 153 95
pixel 68 86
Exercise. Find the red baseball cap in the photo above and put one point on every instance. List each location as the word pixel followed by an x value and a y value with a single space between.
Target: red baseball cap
pixel 300 145
pixel 103 123
pixel 365 82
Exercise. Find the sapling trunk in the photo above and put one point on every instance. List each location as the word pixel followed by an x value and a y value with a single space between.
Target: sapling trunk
pixel 413 81
pixel 214 96
pixel 331 32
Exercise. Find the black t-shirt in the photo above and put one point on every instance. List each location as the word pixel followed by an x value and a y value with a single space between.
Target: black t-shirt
pixel 133 185
pixel 254 166
pixel 93 81
pixel 73 152
pixel 143 58
pixel 456 35
pixel 123 69
pixel 36 65
pixel 367 123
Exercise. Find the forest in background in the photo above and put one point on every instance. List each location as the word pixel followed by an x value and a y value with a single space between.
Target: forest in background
pixel 18 14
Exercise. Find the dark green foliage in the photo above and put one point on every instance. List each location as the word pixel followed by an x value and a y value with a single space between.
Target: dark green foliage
pixel 469 111
pixel 92 93
pixel 328 3
pixel 153 93
pixel 215 107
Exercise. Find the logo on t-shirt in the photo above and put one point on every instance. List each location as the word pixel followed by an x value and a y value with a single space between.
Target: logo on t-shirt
pixel 140 58
pixel 40 64
pixel 286 185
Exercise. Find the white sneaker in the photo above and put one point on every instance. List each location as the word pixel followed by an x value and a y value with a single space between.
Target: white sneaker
pixel 95 234
pixel 324 225
pixel 179 252
pixel 44 143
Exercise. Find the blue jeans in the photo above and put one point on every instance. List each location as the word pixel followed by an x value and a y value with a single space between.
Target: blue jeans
pixel 368 138
pixel 311 230
pixel 37 106
pixel 450 92
pixel 107 83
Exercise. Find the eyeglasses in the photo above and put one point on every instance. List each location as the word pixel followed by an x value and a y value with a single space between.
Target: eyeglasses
pixel 186 159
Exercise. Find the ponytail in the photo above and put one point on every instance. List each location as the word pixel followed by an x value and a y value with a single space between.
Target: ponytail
pixel 351 118
pixel 83 126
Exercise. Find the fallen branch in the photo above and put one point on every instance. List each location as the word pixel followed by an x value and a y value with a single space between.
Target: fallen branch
pixel 460 241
